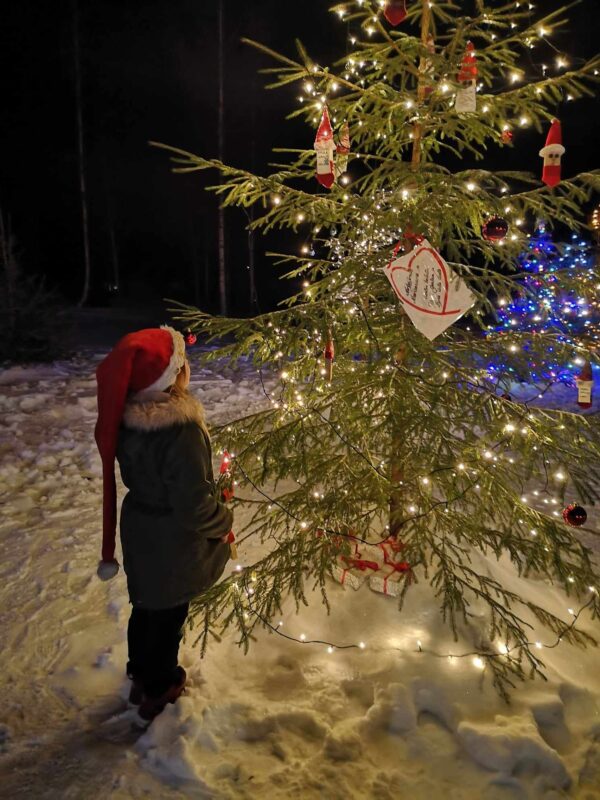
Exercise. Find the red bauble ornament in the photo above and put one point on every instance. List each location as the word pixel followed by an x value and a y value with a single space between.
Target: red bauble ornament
pixel 395 11
pixel 190 338
pixel 575 515
pixel 495 229
pixel 507 136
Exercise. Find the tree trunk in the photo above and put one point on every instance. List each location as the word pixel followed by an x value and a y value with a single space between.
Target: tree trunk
pixel 81 159
pixel 11 270
pixel 398 442
pixel 221 156
pixel 112 236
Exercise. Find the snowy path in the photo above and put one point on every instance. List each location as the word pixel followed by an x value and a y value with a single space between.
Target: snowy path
pixel 285 722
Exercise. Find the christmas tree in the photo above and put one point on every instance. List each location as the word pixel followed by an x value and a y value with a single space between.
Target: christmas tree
pixel 558 294
pixel 381 430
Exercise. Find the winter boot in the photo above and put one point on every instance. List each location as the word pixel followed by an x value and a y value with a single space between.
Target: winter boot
pixel 151 707
pixel 136 693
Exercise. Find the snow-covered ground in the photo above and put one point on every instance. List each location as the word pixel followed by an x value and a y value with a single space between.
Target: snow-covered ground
pixel 285 721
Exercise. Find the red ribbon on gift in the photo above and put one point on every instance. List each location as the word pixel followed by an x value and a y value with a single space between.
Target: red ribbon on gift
pixel 394 545
pixel 357 563
pixel 401 566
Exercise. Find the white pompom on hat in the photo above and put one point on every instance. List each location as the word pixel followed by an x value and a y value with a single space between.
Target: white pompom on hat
pixel 145 360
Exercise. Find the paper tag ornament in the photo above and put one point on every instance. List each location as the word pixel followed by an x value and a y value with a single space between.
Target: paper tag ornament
pixel 466 96
pixel 432 295
pixel 343 151
pixel 325 147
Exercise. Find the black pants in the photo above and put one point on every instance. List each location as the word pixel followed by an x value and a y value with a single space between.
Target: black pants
pixel 153 637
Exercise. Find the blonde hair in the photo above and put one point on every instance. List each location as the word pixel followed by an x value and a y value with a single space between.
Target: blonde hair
pixel 179 389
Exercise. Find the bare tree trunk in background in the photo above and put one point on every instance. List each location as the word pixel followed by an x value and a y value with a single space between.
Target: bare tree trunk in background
pixel 194 257
pixel 250 212
pixel 221 156
pixel 112 236
pixel 81 158
pixel 11 270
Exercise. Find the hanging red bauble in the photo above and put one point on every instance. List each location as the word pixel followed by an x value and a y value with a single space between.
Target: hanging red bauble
pixel 395 11
pixel 507 136
pixel 495 229
pixel 575 515
pixel 190 338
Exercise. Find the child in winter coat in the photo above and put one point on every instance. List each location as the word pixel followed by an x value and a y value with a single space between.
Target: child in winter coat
pixel 174 529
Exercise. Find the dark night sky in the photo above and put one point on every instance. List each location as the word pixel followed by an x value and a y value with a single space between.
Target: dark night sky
pixel 150 73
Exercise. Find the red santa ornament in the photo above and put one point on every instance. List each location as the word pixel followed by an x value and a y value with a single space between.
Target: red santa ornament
pixel 343 150
pixel 325 147
pixel 225 463
pixel 585 384
pixel 552 154
pixel 466 96
pixel 395 11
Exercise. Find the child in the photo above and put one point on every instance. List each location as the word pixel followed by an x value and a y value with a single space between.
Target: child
pixel 174 530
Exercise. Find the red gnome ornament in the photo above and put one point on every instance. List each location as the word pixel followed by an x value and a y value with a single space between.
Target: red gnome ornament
pixel 225 463
pixel 468 67
pixel 395 11
pixel 585 383
pixel 552 154
pixel 343 150
pixel 325 147
pixel 466 96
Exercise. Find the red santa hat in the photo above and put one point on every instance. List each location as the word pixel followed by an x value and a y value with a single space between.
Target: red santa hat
pixel 147 360
pixel 552 154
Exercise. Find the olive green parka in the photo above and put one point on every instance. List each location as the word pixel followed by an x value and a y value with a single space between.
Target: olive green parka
pixel 171 518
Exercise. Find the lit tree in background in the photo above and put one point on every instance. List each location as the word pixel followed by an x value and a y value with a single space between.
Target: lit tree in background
pixel 558 294
pixel 383 430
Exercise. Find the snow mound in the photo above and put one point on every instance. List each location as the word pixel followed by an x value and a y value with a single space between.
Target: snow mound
pixel 514 747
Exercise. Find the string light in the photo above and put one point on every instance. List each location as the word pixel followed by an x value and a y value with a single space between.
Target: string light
pixel 478 659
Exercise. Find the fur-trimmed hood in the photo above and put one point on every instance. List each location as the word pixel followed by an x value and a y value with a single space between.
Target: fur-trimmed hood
pixel 152 411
